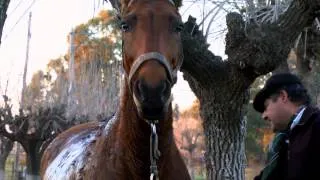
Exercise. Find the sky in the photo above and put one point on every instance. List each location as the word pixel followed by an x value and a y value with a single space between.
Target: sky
pixel 51 22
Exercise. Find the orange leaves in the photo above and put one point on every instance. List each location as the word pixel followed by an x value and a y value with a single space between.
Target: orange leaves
pixel 189 135
pixel 266 138
pixel 193 111
pixel 105 16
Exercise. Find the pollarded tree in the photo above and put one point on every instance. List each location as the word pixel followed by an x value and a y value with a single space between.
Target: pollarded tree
pixel 6 146
pixel 222 86
pixel 33 130
pixel 44 112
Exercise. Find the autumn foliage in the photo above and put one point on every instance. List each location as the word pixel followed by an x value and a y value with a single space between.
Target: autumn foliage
pixel 189 137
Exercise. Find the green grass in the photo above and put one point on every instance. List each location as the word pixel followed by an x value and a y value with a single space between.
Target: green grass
pixel 199 177
pixel 9 168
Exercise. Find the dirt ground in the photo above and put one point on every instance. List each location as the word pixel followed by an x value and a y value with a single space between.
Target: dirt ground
pixel 252 171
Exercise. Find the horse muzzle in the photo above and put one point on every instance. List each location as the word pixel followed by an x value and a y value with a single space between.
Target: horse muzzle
pixel 152 101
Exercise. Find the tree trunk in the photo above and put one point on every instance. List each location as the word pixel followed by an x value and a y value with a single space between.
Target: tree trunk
pixel 223 86
pixel 3 14
pixel 6 146
pixel 224 126
pixel 33 151
pixel 17 161
pixel 223 98
pixel 225 133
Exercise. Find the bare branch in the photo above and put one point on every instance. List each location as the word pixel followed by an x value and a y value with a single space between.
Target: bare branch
pixel 5 133
pixel 193 2
pixel 209 25
pixel 115 4
pixel 207 15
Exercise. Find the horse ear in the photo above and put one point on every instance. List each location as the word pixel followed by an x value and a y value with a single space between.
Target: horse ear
pixel 125 4
pixel 177 3
pixel 120 5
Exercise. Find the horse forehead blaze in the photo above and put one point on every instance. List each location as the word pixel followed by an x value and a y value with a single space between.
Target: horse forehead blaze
pixel 151 26
pixel 152 53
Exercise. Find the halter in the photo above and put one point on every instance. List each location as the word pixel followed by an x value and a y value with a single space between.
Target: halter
pixel 172 73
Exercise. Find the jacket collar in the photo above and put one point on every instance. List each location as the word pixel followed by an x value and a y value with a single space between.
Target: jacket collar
pixel 306 117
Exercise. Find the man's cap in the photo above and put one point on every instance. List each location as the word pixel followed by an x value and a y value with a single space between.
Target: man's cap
pixel 273 84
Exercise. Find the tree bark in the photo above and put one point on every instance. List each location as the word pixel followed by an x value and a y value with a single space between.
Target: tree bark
pixel 34 154
pixel 3 14
pixel 223 86
pixel 6 146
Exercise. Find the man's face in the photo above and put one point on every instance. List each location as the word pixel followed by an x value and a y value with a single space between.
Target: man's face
pixel 276 111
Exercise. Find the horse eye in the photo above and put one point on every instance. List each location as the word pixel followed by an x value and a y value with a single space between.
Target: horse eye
pixel 124 26
pixel 179 28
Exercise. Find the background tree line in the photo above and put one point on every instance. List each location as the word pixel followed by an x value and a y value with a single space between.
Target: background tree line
pixel 80 86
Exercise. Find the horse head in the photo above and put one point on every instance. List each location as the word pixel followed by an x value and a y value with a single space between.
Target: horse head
pixel 152 53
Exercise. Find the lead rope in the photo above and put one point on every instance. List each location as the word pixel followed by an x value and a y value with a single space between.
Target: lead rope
pixel 154 152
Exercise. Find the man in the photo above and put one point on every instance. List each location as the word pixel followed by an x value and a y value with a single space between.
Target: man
pixel 295 151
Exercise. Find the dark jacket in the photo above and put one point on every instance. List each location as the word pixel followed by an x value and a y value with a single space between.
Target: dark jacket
pixel 300 157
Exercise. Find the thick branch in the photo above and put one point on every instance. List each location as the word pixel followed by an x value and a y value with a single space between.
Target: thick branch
pixel 197 56
pixel 300 14
pixel 5 133
pixel 259 49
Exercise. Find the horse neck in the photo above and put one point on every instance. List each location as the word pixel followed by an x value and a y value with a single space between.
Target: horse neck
pixel 134 132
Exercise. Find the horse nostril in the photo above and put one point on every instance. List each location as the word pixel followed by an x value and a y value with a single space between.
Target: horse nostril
pixel 166 89
pixel 152 93
pixel 140 90
pixel 163 88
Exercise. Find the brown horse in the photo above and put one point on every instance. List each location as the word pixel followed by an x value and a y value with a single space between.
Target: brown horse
pixel 138 142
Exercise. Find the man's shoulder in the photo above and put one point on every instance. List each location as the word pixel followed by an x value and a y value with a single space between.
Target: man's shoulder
pixel 316 117
pixel 311 118
pixel 311 113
